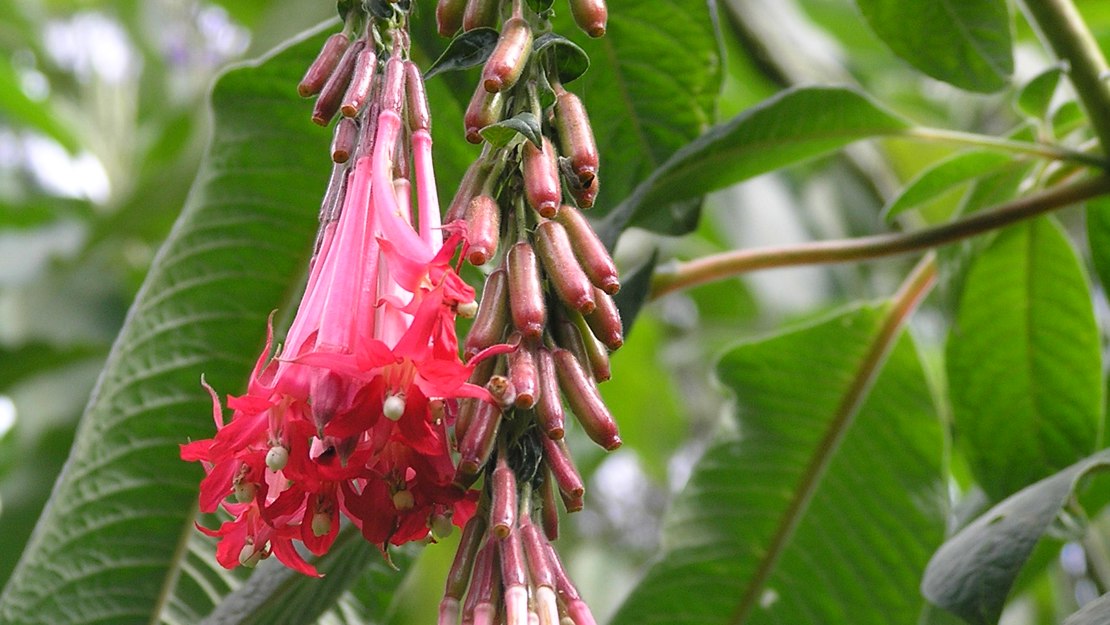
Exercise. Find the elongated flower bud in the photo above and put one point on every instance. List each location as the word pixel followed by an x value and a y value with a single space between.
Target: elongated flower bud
pixel 605 321
pixel 506 62
pixel 485 108
pixel 563 270
pixel 549 405
pixel 514 576
pixel 393 85
pixel 526 291
pixel 590 251
pixel 470 185
pixel 449 16
pixel 597 354
pixel 557 457
pixel 343 141
pixel 480 13
pixel 541 178
pixel 576 137
pixel 468 406
pixel 483 229
pixel 577 610
pixel 476 446
pixel 459 575
pixel 590 15
pixel 420 116
pixel 361 79
pixel 332 93
pixel 323 66
pixel 503 500
pixel 524 375
pixel 586 402
pixel 549 513
pixel 569 338
pixel 493 315
pixel 585 195
pixel 481 599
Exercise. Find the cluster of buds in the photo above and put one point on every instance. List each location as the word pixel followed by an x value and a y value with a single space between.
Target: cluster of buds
pixel 548 296
pixel 350 416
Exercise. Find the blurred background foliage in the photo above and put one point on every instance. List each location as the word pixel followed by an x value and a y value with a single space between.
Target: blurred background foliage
pixel 102 126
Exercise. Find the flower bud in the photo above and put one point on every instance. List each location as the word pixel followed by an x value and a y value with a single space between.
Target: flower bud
pixel 562 268
pixel 361 79
pixel 493 315
pixel 459 575
pixel 569 338
pixel 327 390
pixel 336 86
pixel 605 321
pixel 586 402
pixel 480 14
pixel 343 141
pixel 526 291
pixel 549 405
pixel 470 186
pixel 503 499
pixel 557 457
pixel 393 85
pixel 507 61
pixel 323 66
pixel 483 229
pixel 503 391
pixel 485 587
pixel 468 406
pixel 584 195
pixel 541 178
pixel 589 250
pixel 420 115
pixel 449 16
pixel 477 445
pixel 590 16
pixel 514 576
pixel 485 108
pixel 524 376
pixel 596 353
pixel 576 137
pixel 549 513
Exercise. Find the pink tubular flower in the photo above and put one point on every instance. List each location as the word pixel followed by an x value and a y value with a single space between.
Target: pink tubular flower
pixel 349 417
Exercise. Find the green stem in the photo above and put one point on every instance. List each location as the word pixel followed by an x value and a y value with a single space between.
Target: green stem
pixel 1064 30
pixel 729 264
pixel 1042 150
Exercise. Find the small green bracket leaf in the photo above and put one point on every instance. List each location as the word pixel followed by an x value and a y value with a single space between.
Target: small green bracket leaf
pixel 466 50
pixel 1034 98
pixel 505 131
pixel 571 61
pixel 943 176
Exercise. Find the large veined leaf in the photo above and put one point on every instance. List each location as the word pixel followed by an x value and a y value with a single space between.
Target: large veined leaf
pixel 804 514
pixel 972 573
pixel 793 126
pixel 109 547
pixel 963 42
pixel 1024 365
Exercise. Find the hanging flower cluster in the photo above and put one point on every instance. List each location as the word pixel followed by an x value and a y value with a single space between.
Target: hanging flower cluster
pixel 350 416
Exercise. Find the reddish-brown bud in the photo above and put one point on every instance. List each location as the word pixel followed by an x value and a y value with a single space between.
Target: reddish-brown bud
pixel 590 251
pixel 563 269
pixel 514 578
pixel 507 61
pixel 535 548
pixel 420 115
pixel 359 88
pixel 605 321
pixel 483 229
pixel 596 353
pixel 323 66
pixel 576 137
pixel 459 575
pixel 590 15
pixel 480 14
pixel 468 406
pixel 572 503
pixel 585 195
pixel 524 375
pixel 549 511
pixel 585 401
pixel 502 390
pixel 449 16
pixel 526 291
pixel 477 445
pixel 481 599
pixel 569 338
pixel 493 315
pixel 393 85
pixel 470 185
pixel 485 108
pixel 541 178
pixel 503 499
pixel 332 93
pixel 549 406
pixel 343 141
pixel 557 457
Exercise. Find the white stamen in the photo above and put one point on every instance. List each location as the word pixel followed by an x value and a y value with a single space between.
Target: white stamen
pixel 394 407
pixel 277 458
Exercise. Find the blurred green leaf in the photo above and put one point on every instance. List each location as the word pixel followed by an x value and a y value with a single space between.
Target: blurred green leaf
pixel 801 514
pixel 28 360
pixel 1035 96
pixel 942 177
pixel 17 107
pixel 106 549
pixel 1068 118
pixel 971 574
pixel 1023 360
pixel 793 126
pixel 962 42
pixel 1098 238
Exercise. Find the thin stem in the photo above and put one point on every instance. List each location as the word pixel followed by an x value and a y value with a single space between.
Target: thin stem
pixel 1061 25
pixel 729 264
pixel 1043 150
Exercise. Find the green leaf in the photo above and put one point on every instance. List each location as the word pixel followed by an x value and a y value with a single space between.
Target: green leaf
pixel 1068 118
pixel 468 49
pixel 16 106
pixel 520 125
pixel 823 503
pixel 1024 365
pixel 943 176
pixel 793 126
pixel 34 358
pixel 966 43
pixel 107 548
pixel 1098 238
pixel 1034 98
pixel 971 574
pixel 571 61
